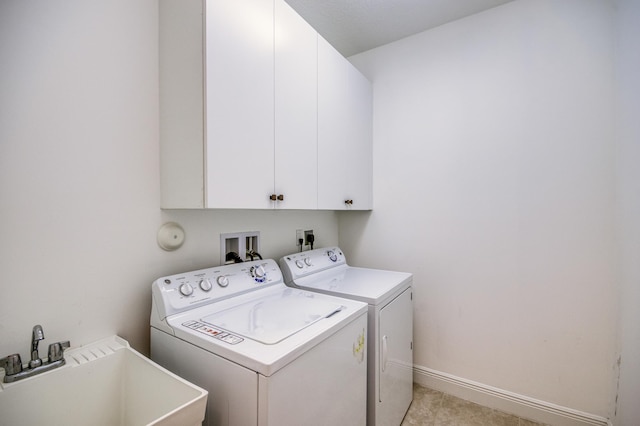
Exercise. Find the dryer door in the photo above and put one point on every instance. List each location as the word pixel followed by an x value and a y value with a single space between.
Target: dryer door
pixel 396 359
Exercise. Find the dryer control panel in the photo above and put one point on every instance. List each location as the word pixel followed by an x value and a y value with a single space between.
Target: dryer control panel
pixel 309 262
pixel 189 290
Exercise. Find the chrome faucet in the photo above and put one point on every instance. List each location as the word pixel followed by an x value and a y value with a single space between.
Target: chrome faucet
pixel 36 336
pixel 12 364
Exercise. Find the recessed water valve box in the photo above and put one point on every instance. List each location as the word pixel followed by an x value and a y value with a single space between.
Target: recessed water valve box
pixel 238 246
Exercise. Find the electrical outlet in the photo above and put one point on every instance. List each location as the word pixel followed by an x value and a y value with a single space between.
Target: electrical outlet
pixel 306 236
pixel 299 237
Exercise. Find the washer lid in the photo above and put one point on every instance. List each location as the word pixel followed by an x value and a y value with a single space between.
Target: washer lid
pixel 273 318
pixel 372 286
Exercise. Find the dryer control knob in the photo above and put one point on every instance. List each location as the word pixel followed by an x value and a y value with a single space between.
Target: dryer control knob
pixel 307 260
pixel 332 256
pixel 205 284
pixel 299 264
pixel 222 281
pixel 186 289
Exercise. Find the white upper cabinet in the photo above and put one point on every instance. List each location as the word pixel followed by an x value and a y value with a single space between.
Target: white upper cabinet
pixel 239 103
pixel 296 109
pixel 345 126
pixel 217 103
pixel 242 95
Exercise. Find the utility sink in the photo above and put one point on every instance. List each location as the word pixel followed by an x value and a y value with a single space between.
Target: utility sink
pixel 106 383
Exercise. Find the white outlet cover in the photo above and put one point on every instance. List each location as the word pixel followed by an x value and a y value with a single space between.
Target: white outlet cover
pixel 170 236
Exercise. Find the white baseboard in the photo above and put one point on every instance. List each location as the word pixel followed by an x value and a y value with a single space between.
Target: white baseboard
pixel 508 402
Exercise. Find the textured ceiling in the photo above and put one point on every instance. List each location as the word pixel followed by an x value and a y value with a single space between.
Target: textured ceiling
pixel 353 26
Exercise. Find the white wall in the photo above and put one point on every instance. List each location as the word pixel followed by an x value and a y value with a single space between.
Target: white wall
pixel 628 197
pixel 79 176
pixel 493 184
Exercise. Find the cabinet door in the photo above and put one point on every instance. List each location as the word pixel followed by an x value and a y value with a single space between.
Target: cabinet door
pixel 239 103
pixel 395 363
pixel 359 154
pixel 296 87
pixel 344 133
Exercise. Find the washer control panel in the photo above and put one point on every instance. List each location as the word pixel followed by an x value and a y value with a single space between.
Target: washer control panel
pixel 180 292
pixel 298 265
pixel 213 332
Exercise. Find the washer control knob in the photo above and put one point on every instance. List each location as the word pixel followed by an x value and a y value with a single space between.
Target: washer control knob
pixel 222 281
pixel 332 256
pixel 186 289
pixel 258 272
pixel 307 261
pixel 299 264
pixel 205 284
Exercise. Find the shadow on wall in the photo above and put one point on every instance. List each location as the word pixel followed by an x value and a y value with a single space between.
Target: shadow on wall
pixel 352 226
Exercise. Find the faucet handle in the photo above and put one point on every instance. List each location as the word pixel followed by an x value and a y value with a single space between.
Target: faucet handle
pixel 12 364
pixel 56 350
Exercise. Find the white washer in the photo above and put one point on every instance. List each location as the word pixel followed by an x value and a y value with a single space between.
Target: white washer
pixel 268 354
pixel 390 317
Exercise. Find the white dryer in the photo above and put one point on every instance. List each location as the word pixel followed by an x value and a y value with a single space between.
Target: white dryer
pixel 390 318
pixel 268 354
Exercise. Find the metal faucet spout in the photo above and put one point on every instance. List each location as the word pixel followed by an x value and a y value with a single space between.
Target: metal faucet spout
pixel 37 335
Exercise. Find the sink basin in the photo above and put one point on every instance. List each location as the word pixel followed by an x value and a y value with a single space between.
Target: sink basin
pixel 105 383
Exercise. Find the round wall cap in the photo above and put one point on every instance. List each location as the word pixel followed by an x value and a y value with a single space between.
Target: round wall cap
pixel 170 236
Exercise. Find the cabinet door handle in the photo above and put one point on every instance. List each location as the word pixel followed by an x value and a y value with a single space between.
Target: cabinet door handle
pixel 348 202
pixel 281 197
pixel 273 197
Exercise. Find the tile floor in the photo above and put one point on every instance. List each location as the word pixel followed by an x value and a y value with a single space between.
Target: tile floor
pixel 434 408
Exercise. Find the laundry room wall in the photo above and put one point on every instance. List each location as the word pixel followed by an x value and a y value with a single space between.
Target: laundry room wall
pixel 627 411
pixel 494 185
pixel 79 177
